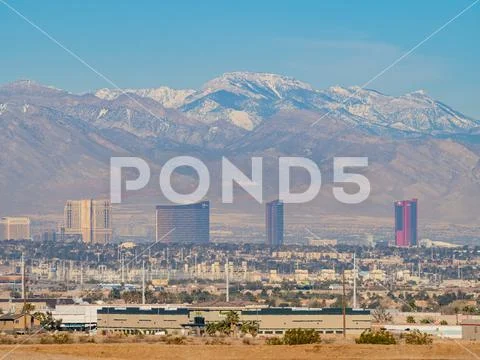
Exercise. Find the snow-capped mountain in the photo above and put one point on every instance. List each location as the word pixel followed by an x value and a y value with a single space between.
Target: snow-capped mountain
pixel 56 145
pixel 256 85
pixel 168 97
pixel 246 99
pixel 414 112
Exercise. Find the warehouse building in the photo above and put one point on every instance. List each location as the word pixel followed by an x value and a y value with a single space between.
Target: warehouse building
pixel 272 321
pixel 471 329
pixel 146 320
pixel 15 306
pixel 79 317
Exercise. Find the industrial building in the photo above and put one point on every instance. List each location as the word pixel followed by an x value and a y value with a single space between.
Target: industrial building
pixel 272 321
pixel 471 329
pixel 78 317
pixel 15 306
pixel 183 223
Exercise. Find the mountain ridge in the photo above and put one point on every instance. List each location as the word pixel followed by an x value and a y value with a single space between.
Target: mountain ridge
pixel 56 145
pixel 247 98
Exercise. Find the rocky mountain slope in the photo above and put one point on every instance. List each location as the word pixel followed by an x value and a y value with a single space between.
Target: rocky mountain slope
pixel 56 145
pixel 246 99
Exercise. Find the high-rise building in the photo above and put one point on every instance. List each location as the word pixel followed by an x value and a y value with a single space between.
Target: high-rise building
pixel 92 219
pixel 183 223
pixel 274 223
pixel 15 228
pixel 406 222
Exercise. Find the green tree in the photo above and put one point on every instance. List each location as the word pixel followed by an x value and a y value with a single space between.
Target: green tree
pixel 115 294
pixel 228 326
pixel 381 316
pixel 232 321
pixel 47 321
pixel 250 327
pixel 28 308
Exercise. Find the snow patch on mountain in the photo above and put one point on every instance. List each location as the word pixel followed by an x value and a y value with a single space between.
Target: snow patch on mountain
pixel 102 113
pixel 168 97
pixel 245 99
pixel 254 85
pixel 241 119
pixel 3 108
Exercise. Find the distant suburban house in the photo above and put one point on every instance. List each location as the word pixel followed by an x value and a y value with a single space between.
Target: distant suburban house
pixel 18 323
pixel 40 304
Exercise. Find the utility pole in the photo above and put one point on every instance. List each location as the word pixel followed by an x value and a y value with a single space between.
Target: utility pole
pixel 195 267
pixel 23 277
pixel 227 281
pixel 81 275
pixel 143 282
pixel 122 264
pixel 354 281
pixel 344 307
pixel 24 296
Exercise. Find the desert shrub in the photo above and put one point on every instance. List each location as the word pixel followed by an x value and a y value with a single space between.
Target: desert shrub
pixel 410 320
pixel 426 321
pixel 114 338
pixel 62 338
pixel 175 340
pixel 247 341
pixel 46 339
pixel 138 337
pixel 86 340
pixel 274 341
pixel 217 341
pixel 6 340
pixel 301 336
pixel 444 322
pixel 416 337
pixel 382 337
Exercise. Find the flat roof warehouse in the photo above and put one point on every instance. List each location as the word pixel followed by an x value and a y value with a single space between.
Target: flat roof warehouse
pixel 151 320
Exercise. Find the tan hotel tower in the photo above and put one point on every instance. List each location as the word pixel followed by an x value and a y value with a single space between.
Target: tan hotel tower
pixel 14 228
pixel 90 218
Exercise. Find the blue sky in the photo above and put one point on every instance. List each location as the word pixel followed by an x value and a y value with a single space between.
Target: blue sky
pixel 185 43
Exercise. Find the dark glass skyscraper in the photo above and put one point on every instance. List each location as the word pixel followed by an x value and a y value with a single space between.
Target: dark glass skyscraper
pixel 274 223
pixel 406 222
pixel 183 223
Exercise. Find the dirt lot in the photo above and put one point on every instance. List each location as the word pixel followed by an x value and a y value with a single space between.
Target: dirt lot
pixel 443 350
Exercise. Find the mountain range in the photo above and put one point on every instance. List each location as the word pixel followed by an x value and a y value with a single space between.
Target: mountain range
pixel 56 145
